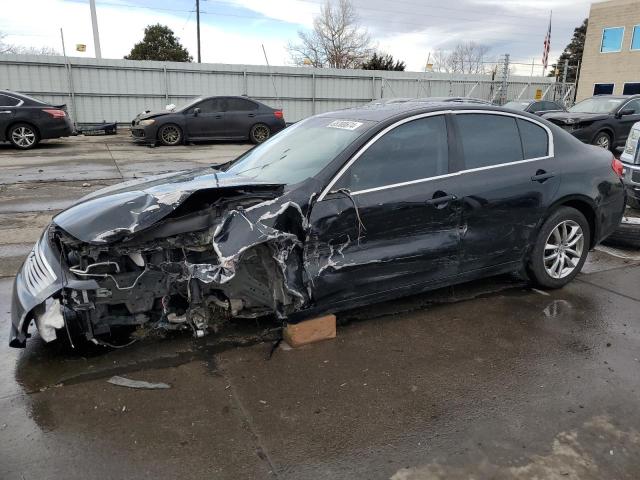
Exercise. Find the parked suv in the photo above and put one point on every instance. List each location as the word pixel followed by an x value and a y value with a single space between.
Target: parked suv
pixel 603 120
pixel 24 120
pixel 210 118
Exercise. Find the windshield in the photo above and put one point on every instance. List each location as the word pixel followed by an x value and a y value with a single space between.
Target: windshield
pixel 516 105
pixel 597 105
pixel 300 151
pixel 189 104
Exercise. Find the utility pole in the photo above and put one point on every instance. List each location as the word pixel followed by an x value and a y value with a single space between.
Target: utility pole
pixel 198 22
pixel 94 24
pixel 505 77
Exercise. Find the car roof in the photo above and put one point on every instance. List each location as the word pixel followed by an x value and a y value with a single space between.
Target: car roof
pixel 379 112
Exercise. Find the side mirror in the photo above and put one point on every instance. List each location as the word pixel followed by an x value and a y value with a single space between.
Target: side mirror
pixel 196 112
pixel 626 111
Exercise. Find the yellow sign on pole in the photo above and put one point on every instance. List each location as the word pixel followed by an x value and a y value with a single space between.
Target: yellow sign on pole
pixel 539 94
pixel 81 47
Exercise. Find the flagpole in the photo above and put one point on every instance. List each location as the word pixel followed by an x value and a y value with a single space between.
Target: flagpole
pixel 547 47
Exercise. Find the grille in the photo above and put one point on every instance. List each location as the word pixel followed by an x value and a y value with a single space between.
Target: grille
pixel 37 272
pixel 635 176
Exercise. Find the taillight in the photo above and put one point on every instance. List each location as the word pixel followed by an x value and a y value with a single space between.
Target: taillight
pixel 278 114
pixel 54 112
pixel 617 167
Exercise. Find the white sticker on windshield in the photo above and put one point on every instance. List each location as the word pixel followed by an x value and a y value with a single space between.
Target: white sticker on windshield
pixel 344 124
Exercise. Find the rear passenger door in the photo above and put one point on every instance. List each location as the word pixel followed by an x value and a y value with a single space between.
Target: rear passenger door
pixel 389 219
pixel 240 116
pixel 508 179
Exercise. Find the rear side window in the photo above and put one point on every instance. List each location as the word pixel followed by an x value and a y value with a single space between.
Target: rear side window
pixel 412 151
pixel 6 101
pixel 240 105
pixel 535 141
pixel 489 139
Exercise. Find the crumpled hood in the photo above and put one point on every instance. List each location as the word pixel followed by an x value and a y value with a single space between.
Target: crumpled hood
pixel 562 117
pixel 117 211
pixel 145 115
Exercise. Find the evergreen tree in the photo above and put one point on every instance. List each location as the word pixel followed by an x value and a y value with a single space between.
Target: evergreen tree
pixel 383 61
pixel 159 43
pixel 572 54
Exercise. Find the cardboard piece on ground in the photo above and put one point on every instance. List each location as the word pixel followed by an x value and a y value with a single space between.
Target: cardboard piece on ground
pixel 310 331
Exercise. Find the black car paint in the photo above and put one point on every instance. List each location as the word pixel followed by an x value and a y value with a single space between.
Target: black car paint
pixel 202 126
pixel 344 250
pixel 31 112
pixel 586 126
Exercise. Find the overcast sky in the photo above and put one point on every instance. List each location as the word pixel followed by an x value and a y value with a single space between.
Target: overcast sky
pixel 233 30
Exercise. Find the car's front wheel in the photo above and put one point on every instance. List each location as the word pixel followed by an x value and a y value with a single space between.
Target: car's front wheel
pixel 259 133
pixel 602 139
pixel 23 136
pixel 170 135
pixel 560 249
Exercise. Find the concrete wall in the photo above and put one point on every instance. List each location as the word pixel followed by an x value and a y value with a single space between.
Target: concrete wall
pixel 117 90
pixel 618 67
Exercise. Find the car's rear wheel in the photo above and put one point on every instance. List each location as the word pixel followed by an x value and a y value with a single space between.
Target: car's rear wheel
pixel 259 133
pixel 23 136
pixel 560 249
pixel 602 139
pixel 170 135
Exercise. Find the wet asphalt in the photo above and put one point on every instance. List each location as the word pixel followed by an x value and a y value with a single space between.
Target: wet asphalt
pixel 486 380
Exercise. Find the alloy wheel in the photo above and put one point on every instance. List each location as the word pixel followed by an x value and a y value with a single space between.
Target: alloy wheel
pixel 260 133
pixel 23 136
pixel 603 141
pixel 170 135
pixel 563 249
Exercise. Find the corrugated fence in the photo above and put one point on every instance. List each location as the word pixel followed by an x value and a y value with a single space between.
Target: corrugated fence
pixel 117 90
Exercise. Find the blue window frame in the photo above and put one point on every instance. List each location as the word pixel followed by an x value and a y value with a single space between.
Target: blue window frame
pixel 612 39
pixel 635 38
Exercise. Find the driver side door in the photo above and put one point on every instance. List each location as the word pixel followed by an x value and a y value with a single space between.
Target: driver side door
pixel 390 219
pixel 209 121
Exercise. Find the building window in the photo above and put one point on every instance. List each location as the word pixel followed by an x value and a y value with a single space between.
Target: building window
pixel 612 39
pixel 603 88
pixel 631 89
pixel 635 38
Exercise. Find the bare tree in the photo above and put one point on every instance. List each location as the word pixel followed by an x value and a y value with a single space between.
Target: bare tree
pixel 466 57
pixel 337 39
pixel 20 49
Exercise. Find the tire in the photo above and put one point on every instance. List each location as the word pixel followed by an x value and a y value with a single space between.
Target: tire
pixel 571 248
pixel 23 136
pixel 259 133
pixel 603 139
pixel 170 135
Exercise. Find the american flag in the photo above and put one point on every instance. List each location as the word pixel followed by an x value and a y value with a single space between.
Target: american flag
pixel 547 47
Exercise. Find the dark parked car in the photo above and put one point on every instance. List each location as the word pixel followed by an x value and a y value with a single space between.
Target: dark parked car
pixel 603 120
pixel 339 210
pixel 539 107
pixel 211 118
pixel 24 120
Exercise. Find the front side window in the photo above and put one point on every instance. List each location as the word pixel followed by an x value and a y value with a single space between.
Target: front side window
pixel 635 39
pixel 212 105
pixel 612 39
pixel 412 151
pixel 631 89
pixel 299 151
pixel 489 139
pixel 633 105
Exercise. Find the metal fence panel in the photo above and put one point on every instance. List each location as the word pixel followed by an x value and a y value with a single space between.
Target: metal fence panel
pixel 117 90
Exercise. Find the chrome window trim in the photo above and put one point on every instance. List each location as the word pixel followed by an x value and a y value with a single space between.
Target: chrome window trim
pixel 345 167
pixel 629 101
pixel 20 101
pixel 621 40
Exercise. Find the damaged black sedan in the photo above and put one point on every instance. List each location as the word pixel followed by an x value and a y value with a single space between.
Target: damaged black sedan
pixel 340 210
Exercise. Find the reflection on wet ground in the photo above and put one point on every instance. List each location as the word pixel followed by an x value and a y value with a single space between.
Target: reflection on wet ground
pixel 490 378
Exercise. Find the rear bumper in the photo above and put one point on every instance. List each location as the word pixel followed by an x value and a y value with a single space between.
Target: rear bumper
pixel 56 128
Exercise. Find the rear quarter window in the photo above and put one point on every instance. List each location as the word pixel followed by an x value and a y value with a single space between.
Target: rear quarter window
pixel 535 141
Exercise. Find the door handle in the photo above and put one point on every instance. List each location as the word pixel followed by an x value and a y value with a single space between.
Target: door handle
pixel 441 201
pixel 218 116
pixel 5 111
pixel 252 114
pixel 541 176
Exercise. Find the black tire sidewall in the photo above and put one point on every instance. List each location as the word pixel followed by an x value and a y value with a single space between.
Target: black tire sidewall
pixel 252 133
pixel 18 125
pixel 163 127
pixel 535 265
